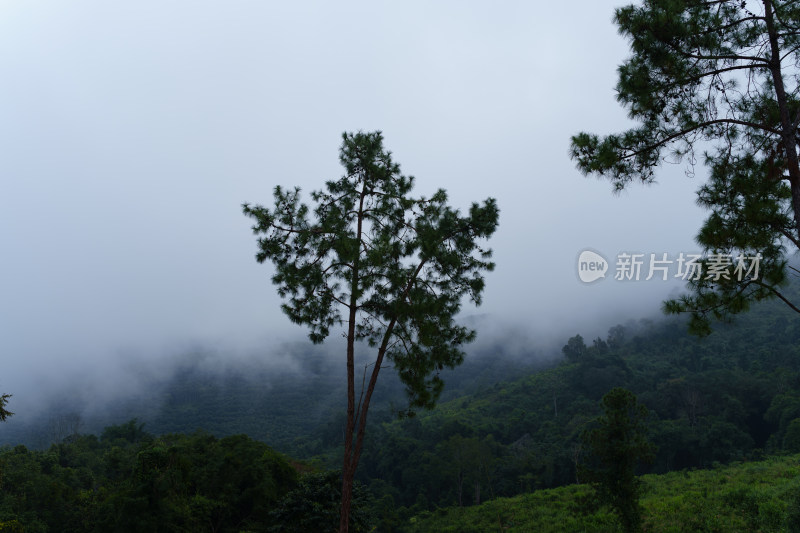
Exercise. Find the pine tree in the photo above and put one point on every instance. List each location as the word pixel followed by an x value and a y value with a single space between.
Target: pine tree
pixel 716 80
pixel 3 412
pixel 390 268
pixel 615 448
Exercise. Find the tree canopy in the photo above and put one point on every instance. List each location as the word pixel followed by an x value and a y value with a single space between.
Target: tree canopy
pixel 715 80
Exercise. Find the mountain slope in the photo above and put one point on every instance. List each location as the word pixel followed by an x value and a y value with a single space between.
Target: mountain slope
pixel 759 496
pixel 731 396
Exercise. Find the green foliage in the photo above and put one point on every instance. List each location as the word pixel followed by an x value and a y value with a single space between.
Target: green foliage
pixel 126 483
pixel 575 349
pixel 11 526
pixel 4 413
pixel 727 397
pixel 720 76
pixel 198 481
pixel 130 432
pixel 314 506
pixel 759 496
pixel 392 267
pixel 546 511
pixel 793 511
pixel 614 449
pixel 791 441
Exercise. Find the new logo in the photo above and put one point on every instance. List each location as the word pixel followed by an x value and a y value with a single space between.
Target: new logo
pixel 591 266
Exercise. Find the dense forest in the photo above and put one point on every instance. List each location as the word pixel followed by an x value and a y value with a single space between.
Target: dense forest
pixel 128 480
pixel 731 396
pixel 734 395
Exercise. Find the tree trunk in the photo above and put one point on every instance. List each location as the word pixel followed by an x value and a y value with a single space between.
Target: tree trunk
pixel 352 449
pixel 348 468
pixel 555 405
pixel 347 493
pixel 348 465
pixel 787 131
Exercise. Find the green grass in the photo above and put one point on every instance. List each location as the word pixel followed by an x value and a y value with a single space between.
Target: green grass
pixel 748 497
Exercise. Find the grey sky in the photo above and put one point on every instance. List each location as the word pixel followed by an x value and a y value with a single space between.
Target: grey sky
pixel 131 132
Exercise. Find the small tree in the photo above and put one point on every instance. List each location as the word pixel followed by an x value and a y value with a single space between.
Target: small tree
pixel 719 81
pixel 3 412
pixel 575 349
pixel 615 448
pixel 390 268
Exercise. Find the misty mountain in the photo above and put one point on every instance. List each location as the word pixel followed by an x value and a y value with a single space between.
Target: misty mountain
pixel 731 396
pixel 509 421
pixel 513 417
pixel 285 405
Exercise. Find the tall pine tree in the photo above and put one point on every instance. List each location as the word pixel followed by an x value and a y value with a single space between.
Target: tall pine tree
pixel 390 268
pixel 715 80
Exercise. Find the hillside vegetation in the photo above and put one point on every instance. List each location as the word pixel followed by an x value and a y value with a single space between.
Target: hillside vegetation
pixel 759 496
pixel 732 396
pixel 128 480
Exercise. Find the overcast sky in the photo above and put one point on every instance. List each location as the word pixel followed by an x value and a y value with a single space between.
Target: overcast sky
pixel 131 132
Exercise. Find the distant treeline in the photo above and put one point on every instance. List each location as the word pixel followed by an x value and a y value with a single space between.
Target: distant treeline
pixel 130 481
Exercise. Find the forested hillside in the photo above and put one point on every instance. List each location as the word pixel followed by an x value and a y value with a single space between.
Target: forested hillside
pixel 128 480
pixel 734 395
pixel 759 496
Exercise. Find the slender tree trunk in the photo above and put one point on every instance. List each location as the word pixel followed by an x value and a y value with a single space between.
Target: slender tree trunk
pixel 576 460
pixel 787 130
pixel 555 405
pixel 485 465
pixel 348 468
pixel 352 448
pixel 348 465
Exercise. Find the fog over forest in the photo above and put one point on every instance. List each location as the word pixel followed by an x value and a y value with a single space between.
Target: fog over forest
pixel 399 266
pixel 133 133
